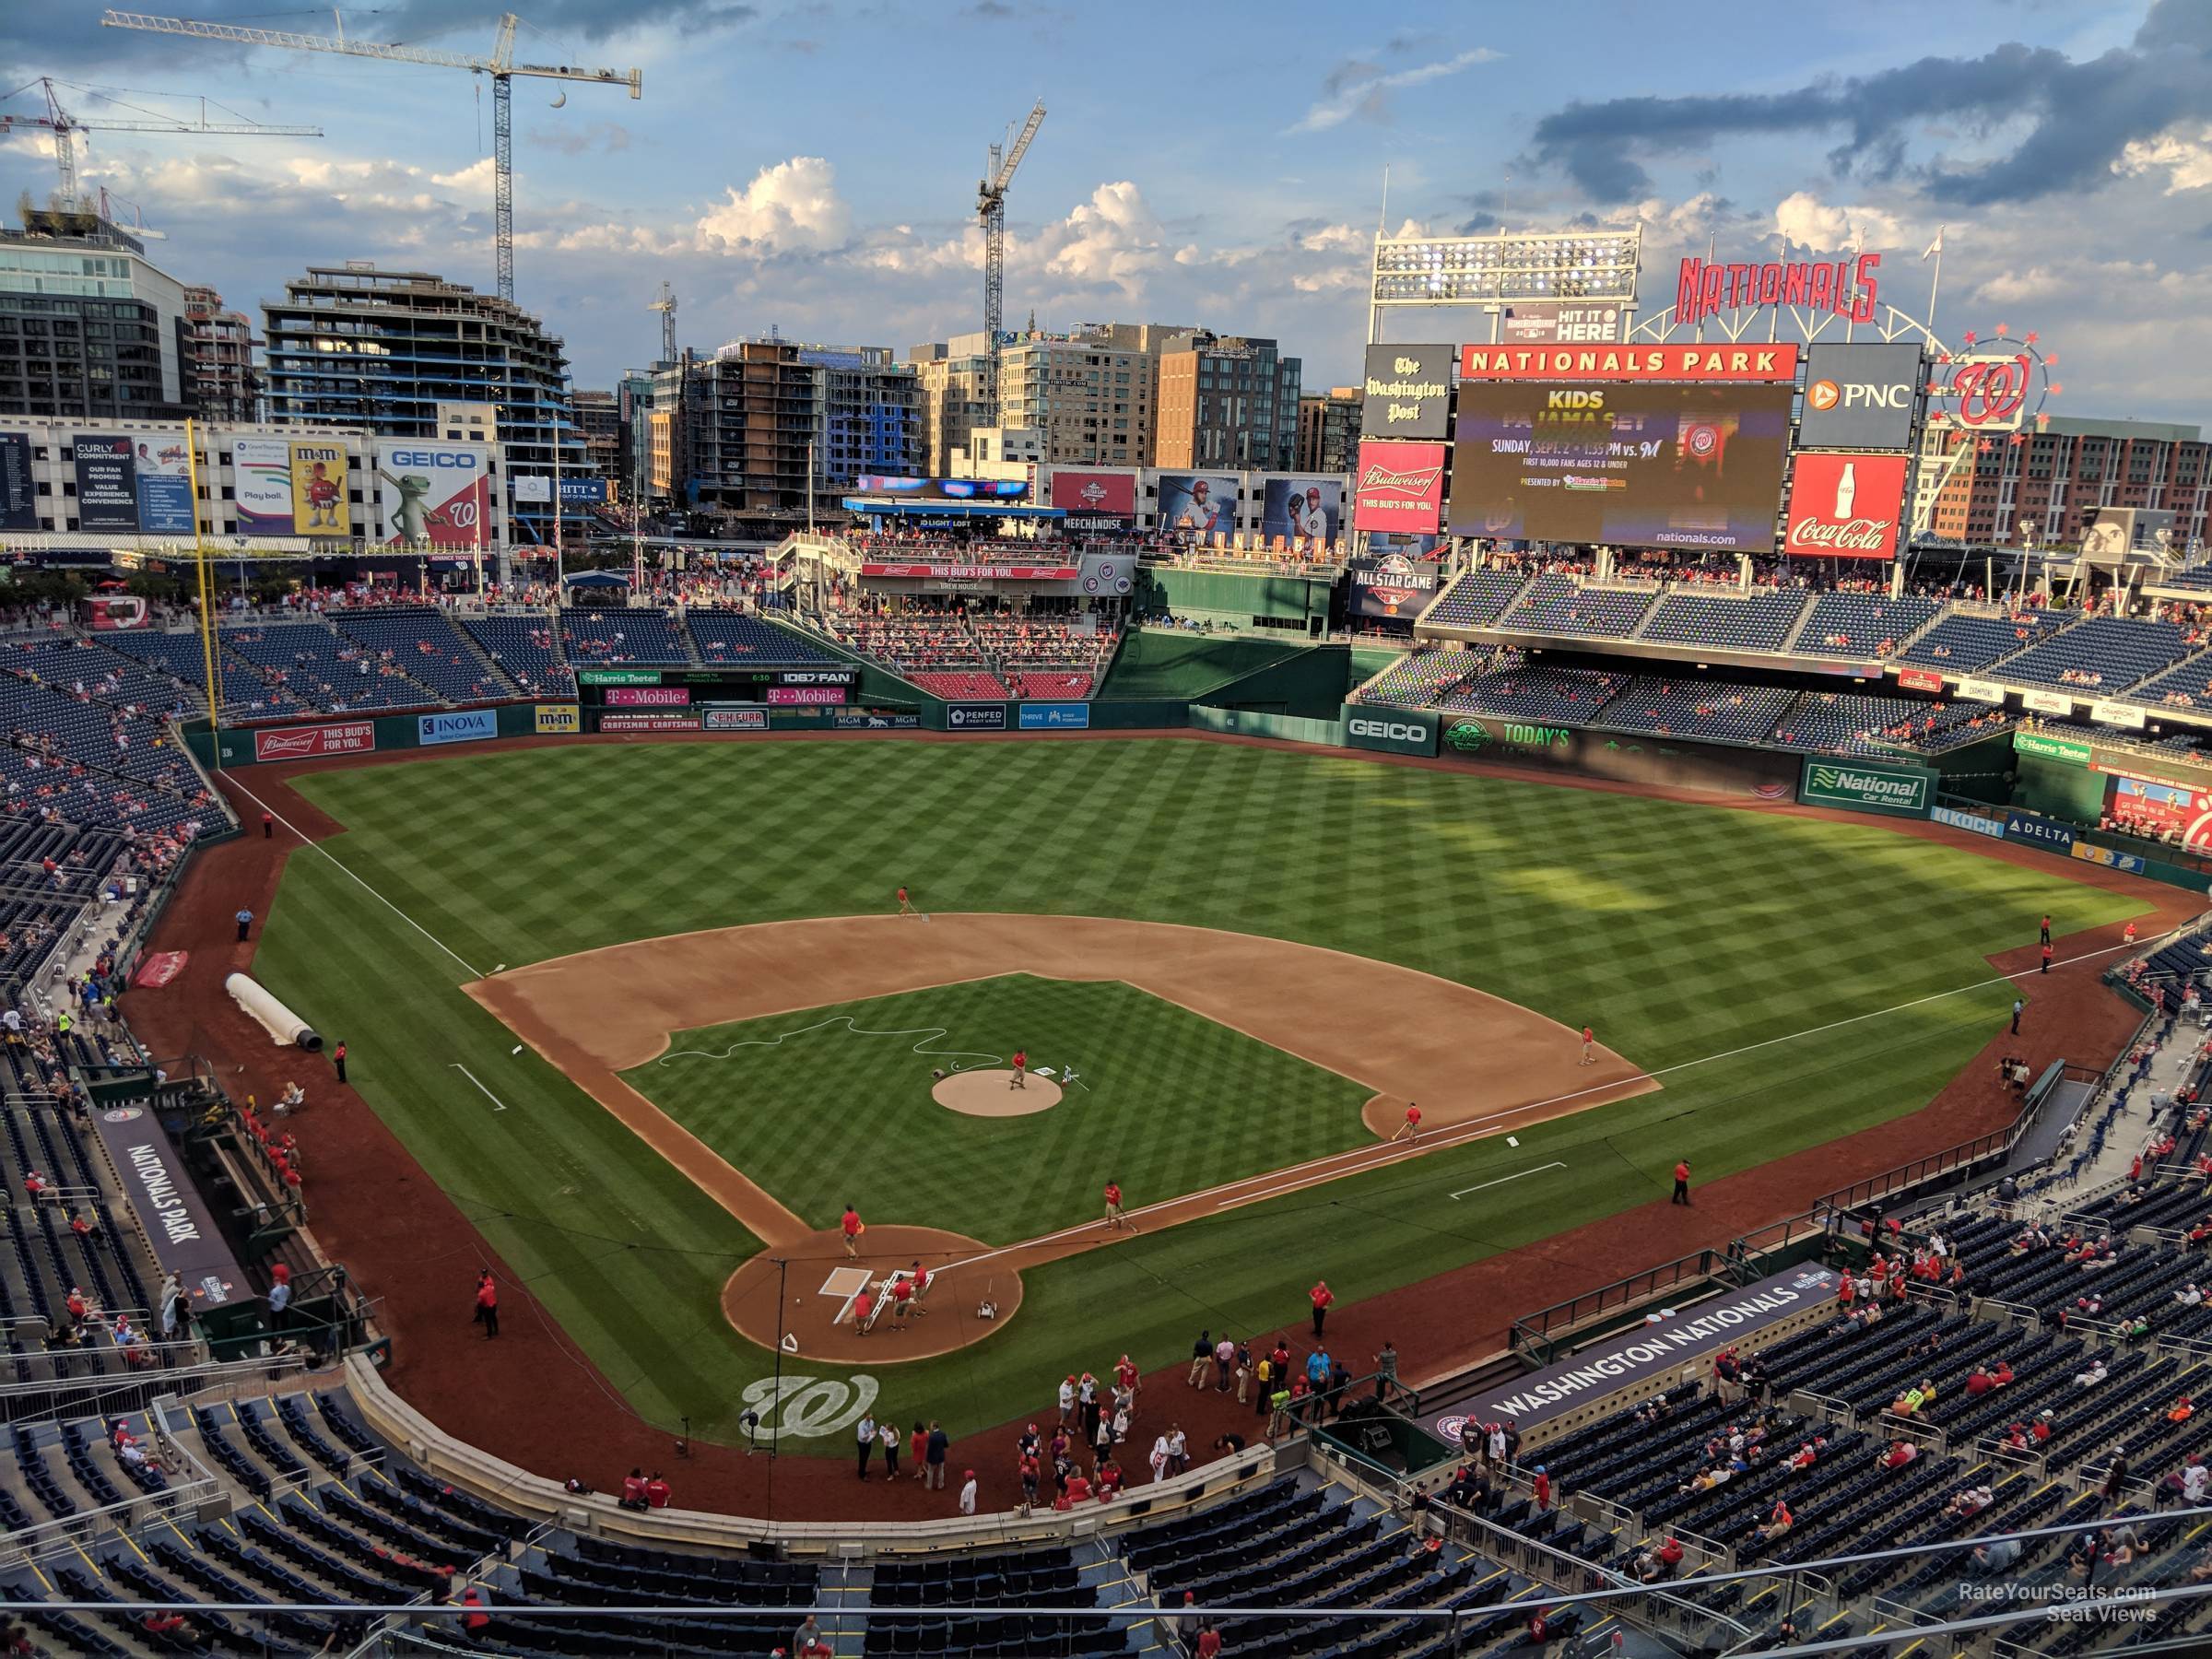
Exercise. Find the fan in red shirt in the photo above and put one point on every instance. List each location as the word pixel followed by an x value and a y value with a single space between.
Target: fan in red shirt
pixel 1411 1128
pixel 1320 1296
pixel 850 1225
pixel 1113 1206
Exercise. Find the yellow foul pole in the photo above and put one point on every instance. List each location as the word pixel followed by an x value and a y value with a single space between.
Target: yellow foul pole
pixel 199 549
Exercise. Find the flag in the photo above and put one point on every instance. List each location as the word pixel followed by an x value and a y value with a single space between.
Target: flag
pixel 1935 247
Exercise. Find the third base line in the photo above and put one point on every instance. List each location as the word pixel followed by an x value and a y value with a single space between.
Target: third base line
pixel 1503 1179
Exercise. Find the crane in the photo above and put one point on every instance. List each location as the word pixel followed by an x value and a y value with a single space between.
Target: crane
pixel 991 208
pixel 666 305
pixel 500 66
pixel 66 126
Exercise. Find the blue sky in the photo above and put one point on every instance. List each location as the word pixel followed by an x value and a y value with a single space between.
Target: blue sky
pixel 813 166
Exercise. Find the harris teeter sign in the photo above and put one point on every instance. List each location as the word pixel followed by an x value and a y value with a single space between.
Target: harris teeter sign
pixel 1866 788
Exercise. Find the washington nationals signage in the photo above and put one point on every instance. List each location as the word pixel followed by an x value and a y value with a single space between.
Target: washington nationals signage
pixel 1846 288
pixel 1773 361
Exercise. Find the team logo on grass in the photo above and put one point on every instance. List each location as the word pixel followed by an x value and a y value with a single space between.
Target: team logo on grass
pixel 809 1407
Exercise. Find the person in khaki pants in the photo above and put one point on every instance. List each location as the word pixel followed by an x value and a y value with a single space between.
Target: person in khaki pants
pixel 1202 1355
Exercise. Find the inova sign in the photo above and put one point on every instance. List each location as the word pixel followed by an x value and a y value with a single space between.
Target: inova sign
pixel 1865 789
pixel 1392 731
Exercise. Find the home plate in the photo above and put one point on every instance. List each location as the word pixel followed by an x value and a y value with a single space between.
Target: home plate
pixel 845 1283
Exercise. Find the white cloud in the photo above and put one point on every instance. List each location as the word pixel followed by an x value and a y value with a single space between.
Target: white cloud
pixel 477 178
pixel 792 206
pixel 1360 89
pixel 1803 219
pixel 1113 239
pixel 2187 160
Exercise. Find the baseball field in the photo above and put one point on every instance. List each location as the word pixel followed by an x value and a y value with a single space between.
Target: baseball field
pixel 645 1014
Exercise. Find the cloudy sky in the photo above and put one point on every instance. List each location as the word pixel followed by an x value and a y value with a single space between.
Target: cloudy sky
pixel 812 167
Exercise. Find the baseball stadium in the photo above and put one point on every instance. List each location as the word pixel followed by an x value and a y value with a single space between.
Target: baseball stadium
pixel 1587 1035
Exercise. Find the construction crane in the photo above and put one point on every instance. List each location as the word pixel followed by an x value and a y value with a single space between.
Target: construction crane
pixel 990 208
pixel 500 66
pixel 666 305
pixel 66 126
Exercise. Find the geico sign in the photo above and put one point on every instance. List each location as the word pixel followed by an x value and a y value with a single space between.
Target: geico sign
pixel 1858 394
pixel 460 459
pixel 1392 730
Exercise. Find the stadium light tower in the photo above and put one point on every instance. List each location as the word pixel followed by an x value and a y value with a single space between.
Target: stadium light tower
pixel 500 66
pixel 1526 268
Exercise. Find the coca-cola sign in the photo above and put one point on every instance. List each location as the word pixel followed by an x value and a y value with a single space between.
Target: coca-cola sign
pixel 1844 506
pixel 1400 488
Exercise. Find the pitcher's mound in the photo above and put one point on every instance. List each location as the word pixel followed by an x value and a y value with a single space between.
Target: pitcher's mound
pixel 991 1094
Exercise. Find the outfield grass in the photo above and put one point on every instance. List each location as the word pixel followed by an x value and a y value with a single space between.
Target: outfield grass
pixel 834 1104
pixel 1681 932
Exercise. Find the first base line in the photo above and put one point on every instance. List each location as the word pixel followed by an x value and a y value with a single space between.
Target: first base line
pixel 1503 1179
pixel 496 1104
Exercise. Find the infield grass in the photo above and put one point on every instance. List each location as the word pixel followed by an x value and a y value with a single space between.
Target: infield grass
pixel 1165 1102
pixel 1693 937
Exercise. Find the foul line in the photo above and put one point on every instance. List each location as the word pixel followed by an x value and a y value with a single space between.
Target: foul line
pixel 318 847
pixel 1503 1179
pixel 1375 1154
pixel 929 1034
pixel 496 1104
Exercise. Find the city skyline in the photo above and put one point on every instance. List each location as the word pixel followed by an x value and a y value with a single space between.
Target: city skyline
pixel 774 174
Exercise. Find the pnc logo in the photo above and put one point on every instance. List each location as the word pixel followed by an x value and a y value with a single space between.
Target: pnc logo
pixel 1823 395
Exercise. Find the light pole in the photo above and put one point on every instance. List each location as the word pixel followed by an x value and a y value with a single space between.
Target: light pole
pixel 2027 535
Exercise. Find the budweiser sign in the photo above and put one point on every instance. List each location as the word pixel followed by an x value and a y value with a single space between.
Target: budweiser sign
pixel 1844 506
pixel 1400 488
pixel 1843 287
pixel 304 743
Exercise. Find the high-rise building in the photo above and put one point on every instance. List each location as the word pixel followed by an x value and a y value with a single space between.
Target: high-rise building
pixel 1089 392
pixel 221 377
pixel 957 381
pixel 1328 430
pixel 599 423
pixel 351 345
pixel 867 415
pixel 90 329
pixel 633 398
pixel 1227 401
pixel 739 426
pixel 2059 477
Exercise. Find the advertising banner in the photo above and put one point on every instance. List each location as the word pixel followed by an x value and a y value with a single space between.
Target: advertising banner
pixel 975 717
pixel 466 726
pixel 176 1219
pixel 2108 858
pixel 874 720
pixel 2039 832
pixel 261 474
pixel 164 485
pixel 1861 396
pixel 814 677
pixel 1982 691
pixel 2118 715
pixel 320 503
pixel 1992 828
pixel 972 572
pixel 556 720
pixel 18 492
pixel 1643 1353
pixel 1400 487
pixel 107 490
pixel 1772 362
pixel 1302 509
pixel 1108 573
pixel 1094 500
pixel 1408 391
pixel 1920 679
pixel 1647 466
pixel 2047 703
pixel 793 695
pixel 1391 731
pixel 736 720
pixel 1054 716
pixel 2067 749
pixel 2158 810
pixel 1392 585
pixel 1543 323
pixel 647 697
pixel 1844 506
pixel 582 492
pixel 1200 503
pixel 1866 788
pixel 1622 757
pixel 617 676
pixel 649 722
pixel 943 490
pixel 434 494
pixel 301 743
pixel 533 488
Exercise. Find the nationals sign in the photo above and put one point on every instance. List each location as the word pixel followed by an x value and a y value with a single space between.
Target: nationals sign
pixel 1776 360
pixel 1844 506
pixel 1845 287
pixel 1985 393
pixel 1400 488
pixel 1095 501
pixel 298 743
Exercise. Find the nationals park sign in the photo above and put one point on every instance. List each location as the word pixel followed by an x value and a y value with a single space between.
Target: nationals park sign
pixel 1866 789
pixel 1773 361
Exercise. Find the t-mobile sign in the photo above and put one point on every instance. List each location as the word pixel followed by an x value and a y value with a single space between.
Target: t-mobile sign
pixel 787 696
pixel 1844 506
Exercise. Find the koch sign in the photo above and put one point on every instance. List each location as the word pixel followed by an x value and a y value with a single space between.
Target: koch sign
pixel 1408 391
pixel 1861 397
pixel 1640 1354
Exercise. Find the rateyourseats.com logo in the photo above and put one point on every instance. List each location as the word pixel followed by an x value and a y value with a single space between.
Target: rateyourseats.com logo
pixel 1868 785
